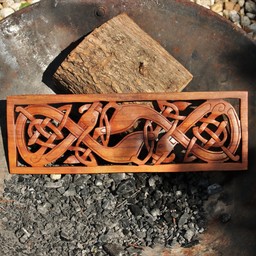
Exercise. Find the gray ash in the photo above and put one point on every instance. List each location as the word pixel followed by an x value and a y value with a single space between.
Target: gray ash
pixel 101 214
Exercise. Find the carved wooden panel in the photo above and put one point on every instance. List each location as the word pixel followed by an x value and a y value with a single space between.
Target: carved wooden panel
pixel 127 132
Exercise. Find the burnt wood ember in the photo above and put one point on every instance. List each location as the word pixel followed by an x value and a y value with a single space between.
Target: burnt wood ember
pixel 106 133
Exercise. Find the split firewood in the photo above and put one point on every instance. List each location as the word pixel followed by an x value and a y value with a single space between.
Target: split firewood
pixel 119 57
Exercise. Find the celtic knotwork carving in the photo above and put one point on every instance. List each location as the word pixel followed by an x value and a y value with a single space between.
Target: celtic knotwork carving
pixel 104 133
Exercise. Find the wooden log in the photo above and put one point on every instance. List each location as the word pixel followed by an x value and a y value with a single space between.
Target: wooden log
pixel 120 57
pixel 91 133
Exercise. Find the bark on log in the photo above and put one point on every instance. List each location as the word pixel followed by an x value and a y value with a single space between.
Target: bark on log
pixel 120 57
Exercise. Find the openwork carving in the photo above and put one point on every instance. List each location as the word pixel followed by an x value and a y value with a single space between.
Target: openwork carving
pixel 111 132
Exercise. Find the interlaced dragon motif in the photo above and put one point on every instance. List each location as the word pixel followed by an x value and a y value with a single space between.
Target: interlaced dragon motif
pixel 125 133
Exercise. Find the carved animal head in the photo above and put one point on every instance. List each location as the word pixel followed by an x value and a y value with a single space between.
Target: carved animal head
pixel 90 117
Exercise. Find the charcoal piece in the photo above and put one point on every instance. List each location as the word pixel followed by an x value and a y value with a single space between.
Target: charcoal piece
pixel 150 220
pixel 109 203
pixel 140 234
pixel 189 234
pixel 75 252
pixel 98 182
pixel 117 177
pixel 136 210
pixel 61 190
pixel 174 214
pixel 152 181
pixel 155 212
pixel 149 235
pixel 81 180
pixel 71 191
pixel 65 235
pixel 75 205
pixel 181 240
pixel 157 195
pixel 24 237
pixel 67 179
pixel 113 249
pixel 158 240
pixel 100 253
pixel 51 184
pixel 168 217
pixel 43 209
pixel 126 187
pixel 126 232
pixel 183 219
pixel 125 222
pixel 214 189
pixel 20 178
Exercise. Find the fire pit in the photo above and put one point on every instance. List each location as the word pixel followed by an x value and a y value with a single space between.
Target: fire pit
pixel 220 56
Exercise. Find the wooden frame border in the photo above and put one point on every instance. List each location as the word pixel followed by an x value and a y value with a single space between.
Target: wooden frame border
pixel 12 101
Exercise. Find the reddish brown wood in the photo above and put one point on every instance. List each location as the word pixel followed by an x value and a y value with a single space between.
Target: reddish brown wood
pixel 109 133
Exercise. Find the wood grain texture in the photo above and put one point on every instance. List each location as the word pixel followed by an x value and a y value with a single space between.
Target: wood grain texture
pixel 110 133
pixel 119 57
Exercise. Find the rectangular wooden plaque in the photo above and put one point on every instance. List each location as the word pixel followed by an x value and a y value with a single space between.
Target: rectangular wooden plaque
pixel 144 132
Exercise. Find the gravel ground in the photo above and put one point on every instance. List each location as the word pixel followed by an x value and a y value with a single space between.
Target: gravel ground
pixel 7 7
pixel 240 12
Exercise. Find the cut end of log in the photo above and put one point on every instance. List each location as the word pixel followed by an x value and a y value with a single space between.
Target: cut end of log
pixel 119 57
